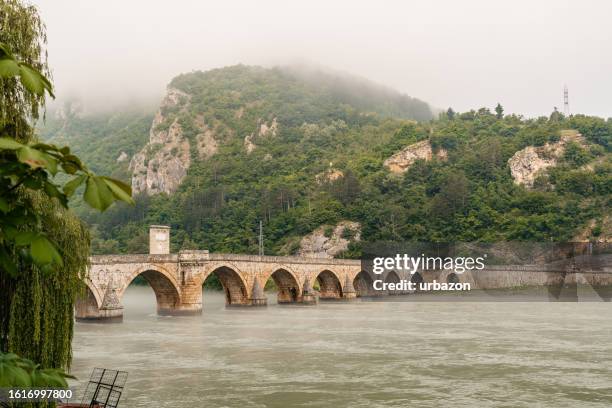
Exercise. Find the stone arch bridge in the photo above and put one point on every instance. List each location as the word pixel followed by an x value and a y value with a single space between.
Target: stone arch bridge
pixel 177 279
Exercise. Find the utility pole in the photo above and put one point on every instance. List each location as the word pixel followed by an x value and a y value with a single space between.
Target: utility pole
pixel 566 110
pixel 261 243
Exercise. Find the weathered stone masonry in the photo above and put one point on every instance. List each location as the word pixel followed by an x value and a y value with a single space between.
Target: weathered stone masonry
pixel 177 279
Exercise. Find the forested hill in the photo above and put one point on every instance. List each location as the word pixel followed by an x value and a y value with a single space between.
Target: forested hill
pixel 313 151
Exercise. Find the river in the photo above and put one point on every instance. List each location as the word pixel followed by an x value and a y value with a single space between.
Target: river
pixel 358 354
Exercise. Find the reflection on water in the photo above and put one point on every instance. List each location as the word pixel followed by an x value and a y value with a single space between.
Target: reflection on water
pixel 359 354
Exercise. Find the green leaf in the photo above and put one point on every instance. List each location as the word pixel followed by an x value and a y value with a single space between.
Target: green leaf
pixel 8 68
pixel 49 377
pixel 34 81
pixel 36 159
pixel 9 144
pixel 43 251
pixel 4 205
pixel 69 167
pixel 25 237
pixel 71 186
pixel 9 229
pixel 7 263
pixel 52 191
pixel 74 160
pixel 120 190
pixel 97 194
pixel 11 375
pixel 5 51
pixel 45 147
pixel 31 81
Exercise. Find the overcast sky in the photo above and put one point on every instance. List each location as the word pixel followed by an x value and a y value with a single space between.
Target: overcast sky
pixel 465 54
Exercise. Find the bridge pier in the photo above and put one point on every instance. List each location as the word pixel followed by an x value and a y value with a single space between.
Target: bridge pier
pixel 258 297
pixel 348 292
pixel 309 296
pixel 99 316
pixel 180 310
pixel 111 310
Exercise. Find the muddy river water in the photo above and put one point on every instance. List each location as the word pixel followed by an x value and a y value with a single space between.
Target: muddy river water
pixel 357 354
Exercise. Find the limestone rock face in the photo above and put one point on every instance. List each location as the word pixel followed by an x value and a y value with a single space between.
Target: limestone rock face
pixel 122 157
pixel 329 176
pixel 318 245
pixel 527 164
pixel 162 164
pixel 402 160
pixel 263 130
pixel 206 144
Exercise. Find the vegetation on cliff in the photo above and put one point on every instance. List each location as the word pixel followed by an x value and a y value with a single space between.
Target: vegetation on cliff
pixel 469 194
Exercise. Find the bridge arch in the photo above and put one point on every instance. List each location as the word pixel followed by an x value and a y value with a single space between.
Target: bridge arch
pixel 88 302
pixel 416 278
pixel 452 278
pixel 329 285
pixel 363 284
pixel 234 285
pixel 288 285
pixel 163 283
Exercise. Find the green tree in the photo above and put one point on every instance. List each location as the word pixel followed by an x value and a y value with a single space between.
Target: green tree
pixel 450 114
pixel 43 247
pixel 499 111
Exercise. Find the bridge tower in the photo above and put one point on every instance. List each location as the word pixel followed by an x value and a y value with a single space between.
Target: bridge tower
pixel 159 239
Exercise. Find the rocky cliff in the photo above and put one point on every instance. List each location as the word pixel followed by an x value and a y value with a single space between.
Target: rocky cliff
pixel 162 164
pixel 527 164
pixel 263 130
pixel 330 175
pixel 328 241
pixel 402 160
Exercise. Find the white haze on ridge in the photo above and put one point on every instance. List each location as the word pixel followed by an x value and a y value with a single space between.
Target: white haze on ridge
pixel 464 54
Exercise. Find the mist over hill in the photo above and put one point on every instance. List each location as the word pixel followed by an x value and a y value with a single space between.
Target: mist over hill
pixel 328 161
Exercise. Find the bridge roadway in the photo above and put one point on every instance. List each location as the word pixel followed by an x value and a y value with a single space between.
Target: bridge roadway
pixel 177 280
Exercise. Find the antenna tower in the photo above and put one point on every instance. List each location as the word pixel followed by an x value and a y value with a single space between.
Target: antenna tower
pixel 566 110
pixel 261 245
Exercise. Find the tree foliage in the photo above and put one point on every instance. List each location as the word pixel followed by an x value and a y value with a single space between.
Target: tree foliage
pixel 43 247
pixel 469 196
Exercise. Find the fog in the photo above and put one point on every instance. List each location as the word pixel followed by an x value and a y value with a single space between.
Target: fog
pixel 464 54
